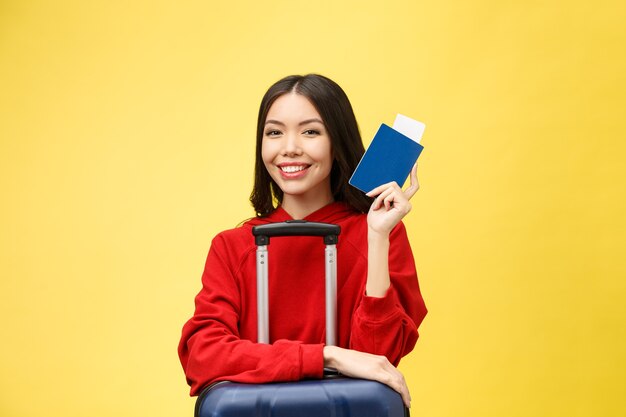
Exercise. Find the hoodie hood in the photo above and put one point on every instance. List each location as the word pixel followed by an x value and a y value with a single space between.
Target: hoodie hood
pixel 331 213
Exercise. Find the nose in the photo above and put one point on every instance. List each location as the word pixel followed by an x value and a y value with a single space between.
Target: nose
pixel 291 145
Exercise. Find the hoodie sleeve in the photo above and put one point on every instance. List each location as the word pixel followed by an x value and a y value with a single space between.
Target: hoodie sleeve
pixel 388 325
pixel 211 349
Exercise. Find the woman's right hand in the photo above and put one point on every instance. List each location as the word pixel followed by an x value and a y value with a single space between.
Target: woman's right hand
pixel 363 365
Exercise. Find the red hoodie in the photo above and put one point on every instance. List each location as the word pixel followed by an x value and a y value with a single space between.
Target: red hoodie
pixel 219 341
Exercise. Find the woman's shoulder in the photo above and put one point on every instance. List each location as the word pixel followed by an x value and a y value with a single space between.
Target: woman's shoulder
pixel 242 233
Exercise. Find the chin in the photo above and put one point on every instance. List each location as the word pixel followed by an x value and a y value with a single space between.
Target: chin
pixel 293 191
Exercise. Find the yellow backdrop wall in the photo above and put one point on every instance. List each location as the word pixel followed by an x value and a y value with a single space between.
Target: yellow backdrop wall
pixel 126 143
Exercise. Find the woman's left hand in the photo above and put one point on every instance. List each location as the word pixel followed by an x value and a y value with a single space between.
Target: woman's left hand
pixel 391 204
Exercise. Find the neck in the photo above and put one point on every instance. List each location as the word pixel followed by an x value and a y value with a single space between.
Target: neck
pixel 300 206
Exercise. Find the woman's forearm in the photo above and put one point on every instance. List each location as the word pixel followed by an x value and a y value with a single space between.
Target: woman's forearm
pixel 377 264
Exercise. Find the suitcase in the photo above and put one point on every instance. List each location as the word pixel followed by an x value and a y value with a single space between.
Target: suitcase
pixel 334 395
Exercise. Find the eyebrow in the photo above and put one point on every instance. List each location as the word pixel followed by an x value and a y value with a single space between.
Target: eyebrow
pixel 304 122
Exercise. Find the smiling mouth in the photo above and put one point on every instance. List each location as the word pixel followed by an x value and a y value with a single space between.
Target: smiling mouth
pixel 290 169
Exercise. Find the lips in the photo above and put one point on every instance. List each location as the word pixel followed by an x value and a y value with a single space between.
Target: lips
pixel 293 169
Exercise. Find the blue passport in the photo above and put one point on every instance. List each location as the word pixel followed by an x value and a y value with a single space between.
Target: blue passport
pixel 390 157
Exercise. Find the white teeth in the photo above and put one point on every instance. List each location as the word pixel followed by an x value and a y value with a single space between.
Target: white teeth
pixel 292 168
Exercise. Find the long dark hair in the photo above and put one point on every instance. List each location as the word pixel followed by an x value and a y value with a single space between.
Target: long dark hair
pixel 332 103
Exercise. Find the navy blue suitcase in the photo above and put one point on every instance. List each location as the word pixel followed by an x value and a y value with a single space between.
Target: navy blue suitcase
pixel 334 396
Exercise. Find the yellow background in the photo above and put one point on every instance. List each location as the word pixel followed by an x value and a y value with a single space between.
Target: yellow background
pixel 126 143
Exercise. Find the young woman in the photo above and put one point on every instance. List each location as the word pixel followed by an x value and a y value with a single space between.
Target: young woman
pixel 308 145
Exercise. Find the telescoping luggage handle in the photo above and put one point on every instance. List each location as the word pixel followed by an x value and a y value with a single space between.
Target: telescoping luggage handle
pixel 330 233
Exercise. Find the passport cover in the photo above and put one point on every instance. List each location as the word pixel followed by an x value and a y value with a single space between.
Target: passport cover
pixel 390 157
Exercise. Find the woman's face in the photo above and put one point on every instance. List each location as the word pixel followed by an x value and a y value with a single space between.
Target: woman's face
pixel 296 150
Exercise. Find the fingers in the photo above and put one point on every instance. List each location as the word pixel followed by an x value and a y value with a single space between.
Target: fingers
pixel 387 195
pixel 385 198
pixel 404 392
pixel 376 191
pixel 392 197
pixel 408 193
pixel 415 185
pixel 392 377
